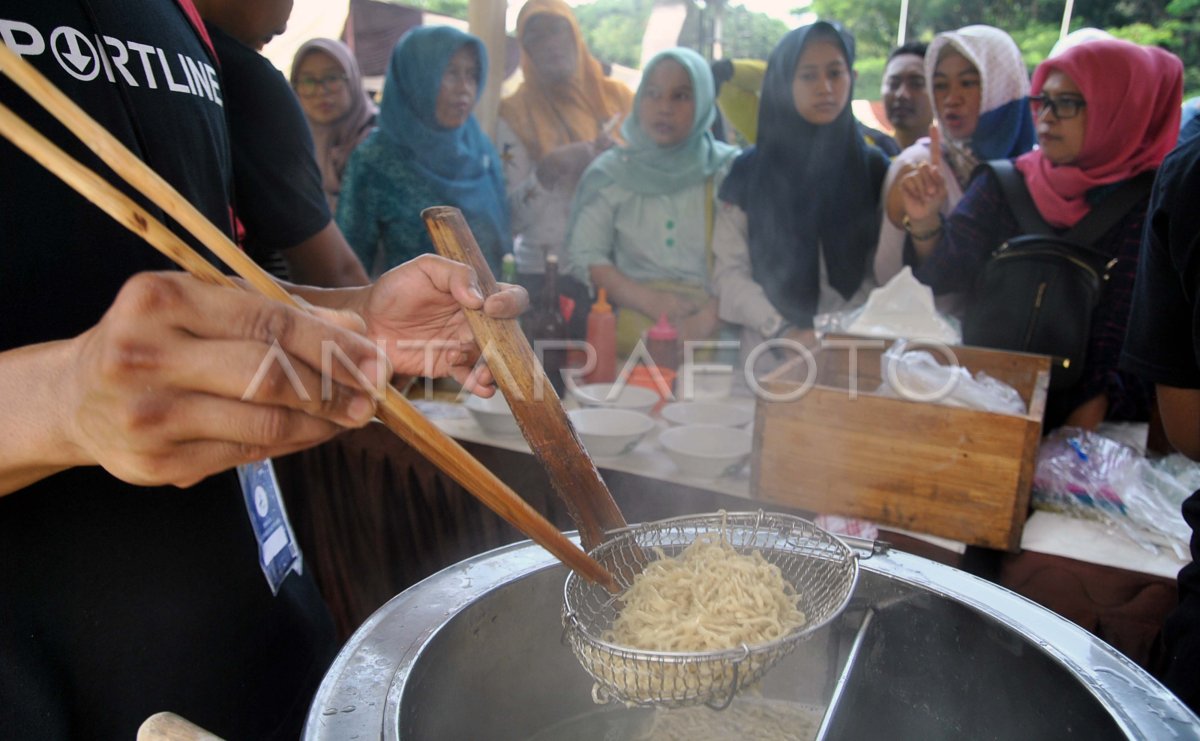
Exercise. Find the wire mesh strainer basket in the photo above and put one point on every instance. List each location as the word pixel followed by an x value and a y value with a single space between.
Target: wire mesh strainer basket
pixel 822 569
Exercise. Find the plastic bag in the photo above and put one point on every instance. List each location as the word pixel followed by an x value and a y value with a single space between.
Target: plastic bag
pixel 903 307
pixel 918 376
pixel 1089 476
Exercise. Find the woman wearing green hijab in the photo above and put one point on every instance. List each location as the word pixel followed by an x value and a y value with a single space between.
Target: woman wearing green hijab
pixel 641 221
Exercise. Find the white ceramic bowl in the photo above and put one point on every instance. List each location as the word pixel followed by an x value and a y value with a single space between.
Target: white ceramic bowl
pixel 706 451
pixel 606 395
pixel 610 432
pixel 707 413
pixel 493 414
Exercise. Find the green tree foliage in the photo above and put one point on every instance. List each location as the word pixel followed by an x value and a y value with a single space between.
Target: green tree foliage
pixel 1184 26
pixel 1033 24
pixel 1035 41
pixel 744 35
pixel 749 35
pixel 873 25
pixel 613 29
pixel 870 77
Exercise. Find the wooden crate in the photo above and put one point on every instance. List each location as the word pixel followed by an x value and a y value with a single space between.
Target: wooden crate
pixel 842 449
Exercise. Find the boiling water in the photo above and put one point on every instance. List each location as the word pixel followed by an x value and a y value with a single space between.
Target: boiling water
pixel 758 719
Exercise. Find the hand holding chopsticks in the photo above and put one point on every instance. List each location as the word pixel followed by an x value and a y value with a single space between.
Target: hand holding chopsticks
pixel 394 410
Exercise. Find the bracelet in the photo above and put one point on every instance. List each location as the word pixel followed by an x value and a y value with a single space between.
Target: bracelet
pixel 774 327
pixel 937 230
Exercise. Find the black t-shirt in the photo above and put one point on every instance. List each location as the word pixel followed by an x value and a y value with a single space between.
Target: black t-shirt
pixel 879 140
pixel 277 184
pixel 117 601
pixel 64 259
pixel 1163 345
pixel 1163 341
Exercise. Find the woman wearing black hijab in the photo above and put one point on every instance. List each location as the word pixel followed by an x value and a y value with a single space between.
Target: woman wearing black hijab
pixel 799 212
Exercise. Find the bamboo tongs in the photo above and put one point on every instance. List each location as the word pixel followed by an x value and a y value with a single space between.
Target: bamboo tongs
pixel 394 410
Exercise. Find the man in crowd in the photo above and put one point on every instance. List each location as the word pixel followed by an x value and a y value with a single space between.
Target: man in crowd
pixel 905 99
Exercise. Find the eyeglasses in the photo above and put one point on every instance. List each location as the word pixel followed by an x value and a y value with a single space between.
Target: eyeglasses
pixel 1062 108
pixel 307 86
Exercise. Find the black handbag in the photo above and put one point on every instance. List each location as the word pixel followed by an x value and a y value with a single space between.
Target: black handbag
pixel 1038 291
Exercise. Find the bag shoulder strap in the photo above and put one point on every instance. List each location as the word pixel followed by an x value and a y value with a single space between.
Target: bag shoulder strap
pixel 193 15
pixel 1112 209
pixel 1012 186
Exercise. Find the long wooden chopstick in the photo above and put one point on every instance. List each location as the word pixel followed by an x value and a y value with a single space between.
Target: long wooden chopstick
pixel 394 410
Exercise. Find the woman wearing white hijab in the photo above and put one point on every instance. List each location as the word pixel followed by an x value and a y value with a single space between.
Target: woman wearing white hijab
pixel 980 91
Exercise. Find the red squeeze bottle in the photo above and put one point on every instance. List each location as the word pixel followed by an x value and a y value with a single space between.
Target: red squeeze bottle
pixel 662 343
pixel 602 336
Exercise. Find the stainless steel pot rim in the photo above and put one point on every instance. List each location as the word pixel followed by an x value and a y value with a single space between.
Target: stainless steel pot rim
pixel 377 666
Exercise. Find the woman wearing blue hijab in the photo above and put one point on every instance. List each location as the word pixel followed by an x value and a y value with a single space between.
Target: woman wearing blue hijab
pixel 641 221
pixel 428 151
pixel 800 209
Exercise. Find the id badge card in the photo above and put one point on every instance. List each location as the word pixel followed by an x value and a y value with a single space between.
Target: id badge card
pixel 278 553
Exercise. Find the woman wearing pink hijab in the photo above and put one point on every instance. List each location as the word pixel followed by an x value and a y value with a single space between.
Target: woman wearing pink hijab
pixel 328 81
pixel 1106 111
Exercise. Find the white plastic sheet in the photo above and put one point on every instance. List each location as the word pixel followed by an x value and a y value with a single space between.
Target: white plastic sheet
pixel 918 376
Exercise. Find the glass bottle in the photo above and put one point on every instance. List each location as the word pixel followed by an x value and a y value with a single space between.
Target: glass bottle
pixel 546 328
pixel 508 269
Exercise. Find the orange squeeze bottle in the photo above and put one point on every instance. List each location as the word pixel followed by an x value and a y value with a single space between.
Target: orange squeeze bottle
pixel 602 337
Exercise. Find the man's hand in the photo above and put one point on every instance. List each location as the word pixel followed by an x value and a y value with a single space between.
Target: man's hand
pixel 180 380
pixel 416 310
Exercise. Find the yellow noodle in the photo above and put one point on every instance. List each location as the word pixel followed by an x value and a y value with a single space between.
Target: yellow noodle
pixel 709 598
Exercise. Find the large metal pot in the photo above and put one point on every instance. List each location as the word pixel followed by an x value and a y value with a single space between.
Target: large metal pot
pixel 923 651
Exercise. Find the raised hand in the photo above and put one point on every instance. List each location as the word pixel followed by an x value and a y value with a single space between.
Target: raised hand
pixel 924 189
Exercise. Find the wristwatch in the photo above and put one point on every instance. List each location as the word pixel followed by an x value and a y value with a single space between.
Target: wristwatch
pixel 923 236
